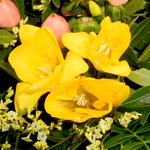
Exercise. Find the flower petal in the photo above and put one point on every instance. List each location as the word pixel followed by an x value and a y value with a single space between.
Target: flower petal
pixel 121 68
pixel 22 99
pixel 118 38
pixel 27 32
pixel 63 109
pixel 44 37
pixel 27 58
pixel 119 89
pixel 46 83
pixel 75 42
pixel 74 65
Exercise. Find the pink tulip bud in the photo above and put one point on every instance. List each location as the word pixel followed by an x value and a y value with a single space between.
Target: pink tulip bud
pixel 58 25
pixel 9 14
pixel 117 2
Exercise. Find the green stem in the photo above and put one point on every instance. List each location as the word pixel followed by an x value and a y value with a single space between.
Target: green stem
pixel 138 138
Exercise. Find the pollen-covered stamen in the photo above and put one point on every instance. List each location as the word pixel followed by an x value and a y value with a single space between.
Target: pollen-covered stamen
pixel 81 101
pixel 103 49
pixel 45 71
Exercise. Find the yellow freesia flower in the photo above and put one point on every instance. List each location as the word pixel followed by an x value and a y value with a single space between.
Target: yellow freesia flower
pixel 105 49
pixel 39 63
pixel 84 98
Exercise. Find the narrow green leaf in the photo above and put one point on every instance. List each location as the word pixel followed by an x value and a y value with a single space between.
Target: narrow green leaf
pixel 133 6
pixel 143 129
pixel 139 32
pixel 140 77
pixel 5 37
pixel 146 54
pixel 145 64
pixel 143 118
pixel 139 100
pixel 124 12
pixel 117 140
pixel 130 57
pixel 7 68
pixel 62 133
pixel 115 128
pixel 132 146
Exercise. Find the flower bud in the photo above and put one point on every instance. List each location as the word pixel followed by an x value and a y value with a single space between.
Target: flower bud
pixel 9 14
pixel 105 21
pixel 85 24
pixel 117 2
pixel 113 13
pixel 94 8
pixel 58 25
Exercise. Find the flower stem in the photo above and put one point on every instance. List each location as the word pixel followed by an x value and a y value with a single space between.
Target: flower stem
pixel 138 138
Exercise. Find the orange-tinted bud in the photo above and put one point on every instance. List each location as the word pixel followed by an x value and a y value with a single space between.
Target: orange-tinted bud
pixel 58 25
pixel 117 2
pixel 9 14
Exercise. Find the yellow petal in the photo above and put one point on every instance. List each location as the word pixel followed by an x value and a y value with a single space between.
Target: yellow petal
pixel 44 37
pixel 121 68
pixel 120 90
pixel 46 83
pixel 62 109
pixel 74 65
pixel 118 38
pixel 75 42
pixel 92 112
pixel 27 32
pixel 23 100
pixel 28 59
pixel 96 88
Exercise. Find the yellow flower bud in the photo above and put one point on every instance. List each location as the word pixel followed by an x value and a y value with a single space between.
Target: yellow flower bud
pixel 94 8
pixel 105 21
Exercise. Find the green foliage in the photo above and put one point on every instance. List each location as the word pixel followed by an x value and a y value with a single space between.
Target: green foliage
pixel 136 14
pixel 5 36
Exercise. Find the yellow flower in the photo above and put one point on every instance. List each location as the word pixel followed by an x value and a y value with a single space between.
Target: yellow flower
pixel 84 98
pixel 104 50
pixel 39 63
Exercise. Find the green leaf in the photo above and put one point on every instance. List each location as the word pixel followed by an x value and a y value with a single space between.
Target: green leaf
pixel 146 54
pixel 143 118
pixel 132 146
pixel 21 7
pixel 4 52
pixel 140 77
pixel 143 129
pixel 139 100
pixel 5 37
pixel 145 64
pixel 62 133
pixel 124 12
pixel 115 128
pixel 139 32
pixel 117 140
pixel 56 3
pixel 133 6
pixel 7 68
pixel 130 57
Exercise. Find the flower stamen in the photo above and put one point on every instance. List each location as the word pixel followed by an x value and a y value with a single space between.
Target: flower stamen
pixel 102 47
pixel 47 72
pixel 81 101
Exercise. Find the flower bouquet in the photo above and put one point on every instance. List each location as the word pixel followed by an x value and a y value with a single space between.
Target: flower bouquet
pixel 75 74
